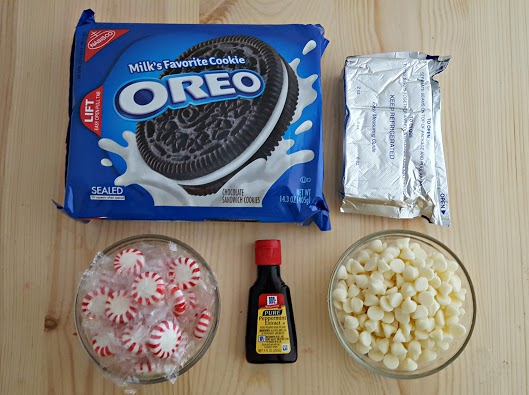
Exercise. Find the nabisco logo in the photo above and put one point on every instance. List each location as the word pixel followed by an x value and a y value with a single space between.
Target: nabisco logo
pixel 100 38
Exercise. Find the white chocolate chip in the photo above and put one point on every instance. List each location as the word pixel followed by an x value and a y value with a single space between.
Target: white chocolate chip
pixel 398 349
pixel 362 281
pixel 420 312
pixel 414 347
pixel 440 318
pixel 408 290
pixel 445 289
pixel 451 320
pixel 384 303
pixel 388 318
pixel 376 356
pixel 443 300
pixel 455 282
pixel 437 335
pixel 365 338
pixel 410 273
pixel 337 305
pixel 452 265
pixel 409 306
pixel 439 264
pixel 401 316
pixel 376 245
pixel 427 273
pixel 403 243
pixel 353 291
pixel 382 266
pixel 443 346
pixel 433 309
pixel 339 294
pixel 392 290
pixel 399 280
pixel 395 299
pixel 376 276
pixel 407 254
pixel 362 349
pixel 351 322
pixel 356 267
pixel 422 324
pixel 356 305
pixel 351 335
pixel 428 356
pixel 362 319
pixel 375 313
pixel 426 299
pixel 371 264
pixel 409 365
pixel 435 282
pixel 383 345
pixel 388 330
pixel 363 256
pixel 347 307
pixel 420 253
pixel 420 334
pixel 397 265
pixel 419 263
pixel 421 284
pixel 372 326
pixel 399 337
pixel 377 287
pixel 370 299
pixel 391 361
pixel 341 274
pixel 341 284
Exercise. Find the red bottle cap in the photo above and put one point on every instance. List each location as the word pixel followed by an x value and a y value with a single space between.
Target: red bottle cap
pixel 267 252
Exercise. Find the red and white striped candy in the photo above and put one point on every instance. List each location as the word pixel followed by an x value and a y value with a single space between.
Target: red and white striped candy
pixel 134 340
pixel 129 261
pixel 191 298
pixel 119 307
pixel 165 339
pixel 177 299
pixel 148 288
pixel 202 326
pixel 93 304
pixel 103 344
pixel 185 272
pixel 144 367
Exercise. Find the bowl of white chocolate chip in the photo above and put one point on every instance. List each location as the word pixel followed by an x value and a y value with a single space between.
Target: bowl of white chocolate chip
pixel 402 304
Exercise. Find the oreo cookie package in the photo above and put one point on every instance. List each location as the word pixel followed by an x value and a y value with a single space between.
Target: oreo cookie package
pixel 196 122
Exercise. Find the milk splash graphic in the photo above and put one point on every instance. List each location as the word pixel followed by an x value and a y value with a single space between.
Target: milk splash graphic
pixel 255 179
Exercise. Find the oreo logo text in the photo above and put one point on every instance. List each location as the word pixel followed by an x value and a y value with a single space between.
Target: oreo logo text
pixel 144 99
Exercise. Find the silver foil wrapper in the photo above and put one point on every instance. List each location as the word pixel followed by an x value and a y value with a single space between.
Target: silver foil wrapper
pixel 393 163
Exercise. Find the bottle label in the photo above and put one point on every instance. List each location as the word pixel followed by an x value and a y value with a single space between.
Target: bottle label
pixel 272 325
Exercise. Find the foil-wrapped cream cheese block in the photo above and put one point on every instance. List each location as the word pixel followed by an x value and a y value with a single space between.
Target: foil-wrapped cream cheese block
pixel 394 163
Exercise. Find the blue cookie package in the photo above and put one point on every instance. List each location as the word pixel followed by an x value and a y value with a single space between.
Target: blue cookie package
pixel 196 122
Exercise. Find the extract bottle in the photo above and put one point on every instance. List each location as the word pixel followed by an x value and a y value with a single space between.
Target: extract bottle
pixel 270 327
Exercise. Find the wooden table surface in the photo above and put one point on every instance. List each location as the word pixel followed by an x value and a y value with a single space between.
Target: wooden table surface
pixel 486 135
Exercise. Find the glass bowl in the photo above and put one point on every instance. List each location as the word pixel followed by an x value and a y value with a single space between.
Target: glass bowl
pixel 155 245
pixel 444 358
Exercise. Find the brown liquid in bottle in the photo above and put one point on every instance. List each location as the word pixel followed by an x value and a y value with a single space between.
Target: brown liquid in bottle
pixel 270 328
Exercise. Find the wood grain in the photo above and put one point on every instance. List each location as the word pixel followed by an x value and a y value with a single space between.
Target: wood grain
pixel 486 137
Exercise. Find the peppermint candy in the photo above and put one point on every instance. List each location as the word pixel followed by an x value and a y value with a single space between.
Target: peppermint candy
pixel 93 304
pixel 119 307
pixel 165 339
pixel 144 367
pixel 129 261
pixel 177 298
pixel 185 272
pixel 103 344
pixel 148 288
pixel 203 323
pixel 133 339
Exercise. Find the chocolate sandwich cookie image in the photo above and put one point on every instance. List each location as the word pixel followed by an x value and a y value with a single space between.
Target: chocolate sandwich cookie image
pixel 205 143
